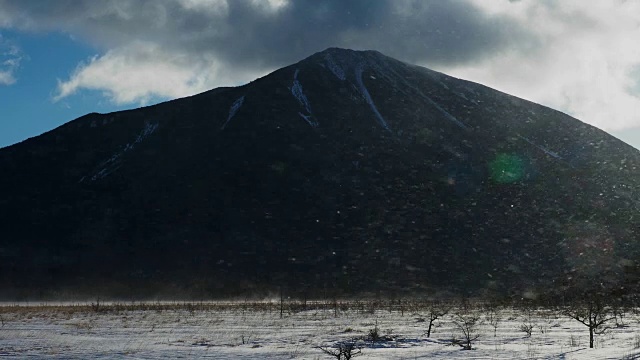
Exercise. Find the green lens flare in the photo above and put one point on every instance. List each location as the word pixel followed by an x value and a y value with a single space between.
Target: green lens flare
pixel 506 168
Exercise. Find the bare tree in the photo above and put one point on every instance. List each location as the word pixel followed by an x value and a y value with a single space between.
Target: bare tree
pixel 467 323
pixel 493 316
pixel 592 313
pixel 436 311
pixel 342 350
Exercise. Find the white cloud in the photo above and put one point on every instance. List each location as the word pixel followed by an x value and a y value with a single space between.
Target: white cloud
pixel 217 7
pixel 6 78
pixel 270 6
pixel 576 56
pixel 142 72
pixel 222 42
pixel 583 64
pixel 10 58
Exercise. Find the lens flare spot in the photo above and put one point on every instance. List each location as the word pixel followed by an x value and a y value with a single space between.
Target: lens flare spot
pixel 589 249
pixel 506 168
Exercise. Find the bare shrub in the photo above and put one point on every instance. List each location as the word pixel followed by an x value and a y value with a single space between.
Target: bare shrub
pixel 468 323
pixel 528 324
pixel 245 339
pixel 96 306
pixel 548 320
pixel 374 334
pixel 527 329
pixel 574 341
pixel 619 312
pixel 342 350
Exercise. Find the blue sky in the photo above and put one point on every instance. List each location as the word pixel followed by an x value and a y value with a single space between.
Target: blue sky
pixel 27 105
pixel 22 102
pixel 62 59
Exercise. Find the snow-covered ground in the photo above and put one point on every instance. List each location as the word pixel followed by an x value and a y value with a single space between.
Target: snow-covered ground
pixel 250 331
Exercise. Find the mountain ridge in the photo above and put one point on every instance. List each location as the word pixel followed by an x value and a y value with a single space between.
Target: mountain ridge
pixel 349 171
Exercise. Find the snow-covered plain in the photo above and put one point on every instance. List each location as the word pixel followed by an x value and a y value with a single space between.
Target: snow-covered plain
pixel 245 330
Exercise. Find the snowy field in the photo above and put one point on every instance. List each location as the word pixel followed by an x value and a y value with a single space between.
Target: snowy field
pixel 261 331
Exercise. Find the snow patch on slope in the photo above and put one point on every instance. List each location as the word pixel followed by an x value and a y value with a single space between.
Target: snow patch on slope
pixel 146 131
pixel 233 110
pixel 298 93
pixel 313 123
pixel 545 150
pixel 343 63
pixel 446 114
pixel 114 163
pixel 335 68
pixel 338 61
pixel 363 90
pixel 398 78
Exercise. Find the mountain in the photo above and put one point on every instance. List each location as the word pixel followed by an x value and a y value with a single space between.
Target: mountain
pixel 348 172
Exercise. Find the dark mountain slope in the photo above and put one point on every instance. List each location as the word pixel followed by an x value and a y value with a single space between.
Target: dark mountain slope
pixel 348 171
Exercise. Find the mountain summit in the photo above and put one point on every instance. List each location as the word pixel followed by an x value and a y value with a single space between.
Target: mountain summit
pixel 348 172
